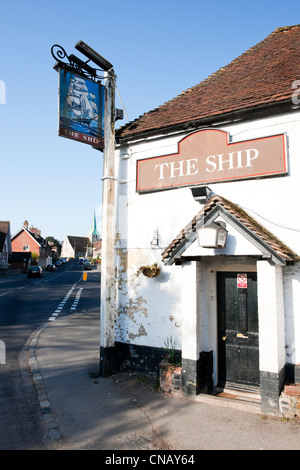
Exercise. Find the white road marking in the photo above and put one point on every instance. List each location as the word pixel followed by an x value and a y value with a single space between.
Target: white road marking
pixel 62 303
pixel 77 298
pixel 6 293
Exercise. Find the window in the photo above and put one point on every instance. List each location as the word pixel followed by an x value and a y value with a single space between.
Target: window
pixel 26 247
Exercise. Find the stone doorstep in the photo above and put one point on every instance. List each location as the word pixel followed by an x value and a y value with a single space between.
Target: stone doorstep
pixel 239 395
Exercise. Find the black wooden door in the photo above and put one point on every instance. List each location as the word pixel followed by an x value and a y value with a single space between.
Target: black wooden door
pixel 238 353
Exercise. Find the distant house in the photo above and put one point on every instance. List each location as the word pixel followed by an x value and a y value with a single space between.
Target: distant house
pixel 97 249
pixel 75 247
pixel 5 243
pixel 30 240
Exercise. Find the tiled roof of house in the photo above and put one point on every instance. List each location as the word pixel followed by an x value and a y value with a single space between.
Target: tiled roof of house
pixel 97 245
pixel 261 76
pixel 4 226
pixel 79 243
pixel 36 236
pixel 275 246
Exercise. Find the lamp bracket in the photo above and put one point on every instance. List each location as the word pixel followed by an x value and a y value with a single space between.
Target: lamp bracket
pixel 73 64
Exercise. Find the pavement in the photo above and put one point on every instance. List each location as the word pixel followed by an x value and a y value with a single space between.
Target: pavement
pixel 128 411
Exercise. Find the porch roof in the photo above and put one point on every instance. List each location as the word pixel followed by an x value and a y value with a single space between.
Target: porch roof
pixel 235 215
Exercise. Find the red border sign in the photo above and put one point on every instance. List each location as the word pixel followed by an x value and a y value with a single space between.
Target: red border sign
pixel 207 156
pixel 242 281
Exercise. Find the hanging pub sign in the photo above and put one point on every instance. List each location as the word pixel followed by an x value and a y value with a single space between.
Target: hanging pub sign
pixel 81 109
pixel 207 156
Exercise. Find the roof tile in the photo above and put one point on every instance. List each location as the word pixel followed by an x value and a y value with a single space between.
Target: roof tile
pixel 263 75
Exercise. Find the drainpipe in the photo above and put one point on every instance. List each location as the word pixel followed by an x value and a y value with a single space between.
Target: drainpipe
pixel 108 285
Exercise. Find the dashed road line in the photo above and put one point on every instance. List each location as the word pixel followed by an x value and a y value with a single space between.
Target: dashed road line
pixel 61 305
pixel 77 298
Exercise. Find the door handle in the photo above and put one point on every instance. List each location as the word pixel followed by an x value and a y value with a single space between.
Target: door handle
pixel 240 335
pixel 224 338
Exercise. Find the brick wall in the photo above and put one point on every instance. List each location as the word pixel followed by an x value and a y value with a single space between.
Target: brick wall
pixel 169 377
pixel 289 401
pixel 24 239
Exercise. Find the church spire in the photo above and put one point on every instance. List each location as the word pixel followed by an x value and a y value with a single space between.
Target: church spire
pixel 93 234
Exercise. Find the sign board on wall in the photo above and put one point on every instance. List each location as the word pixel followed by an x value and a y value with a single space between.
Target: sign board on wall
pixel 207 156
pixel 242 281
pixel 81 109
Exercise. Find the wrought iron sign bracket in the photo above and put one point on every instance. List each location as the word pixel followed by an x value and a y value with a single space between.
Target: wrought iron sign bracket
pixel 74 64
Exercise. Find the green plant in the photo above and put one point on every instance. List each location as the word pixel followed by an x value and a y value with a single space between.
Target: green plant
pixel 143 379
pixel 149 271
pixel 157 385
pixel 171 351
pixel 34 259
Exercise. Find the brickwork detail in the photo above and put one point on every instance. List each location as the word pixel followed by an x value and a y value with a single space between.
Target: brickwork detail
pixel 289 401
pixel 170 377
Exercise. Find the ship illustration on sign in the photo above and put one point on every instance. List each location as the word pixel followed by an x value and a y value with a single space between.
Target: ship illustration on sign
pixel 81 102
pixel 81 109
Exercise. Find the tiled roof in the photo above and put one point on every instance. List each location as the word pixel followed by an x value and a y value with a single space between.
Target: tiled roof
pixel 79 243
pixel 4 226
pixel 266 238
pixel 261 76
pixel 37 236
pixel 97 245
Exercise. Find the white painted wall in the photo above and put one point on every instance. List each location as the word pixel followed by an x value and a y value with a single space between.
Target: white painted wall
pixel 67 251
pixel 270 317
pixel 150 310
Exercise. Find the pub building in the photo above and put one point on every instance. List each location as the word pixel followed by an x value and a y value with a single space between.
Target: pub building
pixel 207 242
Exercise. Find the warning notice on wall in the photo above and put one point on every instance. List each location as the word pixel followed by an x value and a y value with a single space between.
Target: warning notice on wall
pixel 242 281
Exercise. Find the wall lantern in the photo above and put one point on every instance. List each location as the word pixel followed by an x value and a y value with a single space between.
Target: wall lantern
pixel 201 194
pixel 213 235
pixel 93 55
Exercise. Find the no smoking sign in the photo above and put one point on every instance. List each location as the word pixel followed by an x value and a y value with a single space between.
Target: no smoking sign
pixel 242 281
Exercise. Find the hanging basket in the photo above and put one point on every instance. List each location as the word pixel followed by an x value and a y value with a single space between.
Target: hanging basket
pixel 149 271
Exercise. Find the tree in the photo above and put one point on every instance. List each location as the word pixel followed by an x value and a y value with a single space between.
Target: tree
pixel 34 259
pixel 53 242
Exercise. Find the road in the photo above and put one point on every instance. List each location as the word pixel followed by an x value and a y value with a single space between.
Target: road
pixel 26 305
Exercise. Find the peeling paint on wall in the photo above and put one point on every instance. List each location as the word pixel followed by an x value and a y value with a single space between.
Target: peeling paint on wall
pixel 134 306
pixel 141 332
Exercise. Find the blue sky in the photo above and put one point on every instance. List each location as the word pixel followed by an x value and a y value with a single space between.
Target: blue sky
pixel 158 49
